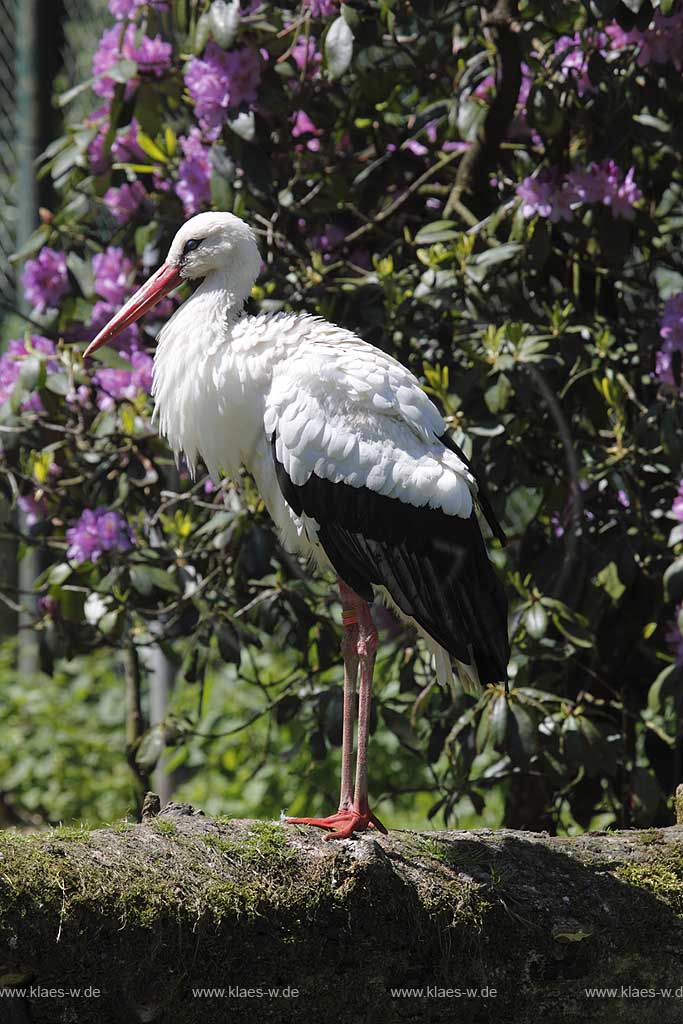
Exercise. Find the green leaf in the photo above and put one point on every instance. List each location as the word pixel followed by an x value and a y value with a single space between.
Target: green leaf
pixel 673 580
pixel 229 644
pixel 669 683
pixel 112 359
pixel 64 98
pixel 497 254
pixel 244 125
pixel 608 579
pixel 338 48
pixel 32 245
pixel 579 635
pixel 82 271
pixel 400 725
pixel 123 71
pixel 498 395
pixel 498 713
pixel 151 747
pixel 521 508
pixel 145 578
pixel 150 147
pixel 224 19
pixel 437 231
pixel 536 621
pixel 520 734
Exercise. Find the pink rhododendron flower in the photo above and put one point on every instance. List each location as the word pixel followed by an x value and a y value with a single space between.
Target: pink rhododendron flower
pixel 304 126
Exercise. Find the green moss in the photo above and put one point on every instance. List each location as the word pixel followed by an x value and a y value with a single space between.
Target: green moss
pixel 264 841
pixel 663 879
pixel 71 833
pixel 651 835
pixel 164 827
pixel 462 856
pixel 122 826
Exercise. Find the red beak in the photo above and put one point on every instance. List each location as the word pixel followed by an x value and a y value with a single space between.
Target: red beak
pixel 160 284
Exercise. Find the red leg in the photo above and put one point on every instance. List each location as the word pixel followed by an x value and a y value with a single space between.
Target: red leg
pixel 359 646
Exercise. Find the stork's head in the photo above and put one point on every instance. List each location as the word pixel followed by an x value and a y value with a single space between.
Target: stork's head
pixel 207 243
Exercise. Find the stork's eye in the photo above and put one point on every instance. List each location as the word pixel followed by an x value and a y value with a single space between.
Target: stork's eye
pixel 193 243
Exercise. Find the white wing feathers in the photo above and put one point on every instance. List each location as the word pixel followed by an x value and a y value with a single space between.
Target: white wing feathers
pixel 349 413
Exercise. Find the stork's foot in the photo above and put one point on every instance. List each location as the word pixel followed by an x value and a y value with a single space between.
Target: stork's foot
pixel 344 823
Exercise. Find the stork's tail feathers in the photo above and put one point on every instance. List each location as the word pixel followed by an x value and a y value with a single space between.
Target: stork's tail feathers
pixel 467 677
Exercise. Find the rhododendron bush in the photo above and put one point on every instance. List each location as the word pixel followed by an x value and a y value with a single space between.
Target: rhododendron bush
pixel 493 194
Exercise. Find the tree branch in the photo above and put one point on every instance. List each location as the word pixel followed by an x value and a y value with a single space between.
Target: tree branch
pixel 145 914
pixel 473 169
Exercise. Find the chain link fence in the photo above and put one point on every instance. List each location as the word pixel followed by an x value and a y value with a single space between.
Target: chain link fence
pixel 30 75
pixel 8 168
pixel 46 46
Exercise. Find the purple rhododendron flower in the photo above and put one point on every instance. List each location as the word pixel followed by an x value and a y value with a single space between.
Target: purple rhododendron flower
pixel 10 367
pixel 677 507
pixel 575 52
pixel 306 56
pixel 415 147
pixel 674 638
pixel 96 531
pixel 100 315
pixel 548 195
pixel 330 239
pixel 124 8
pixel 125 148
pixel 304 126
pixel 45 279
pixel 110 49
pixel 218 81
pixel 671 333
pixel 671 328
pixel 121 9
pixel 152 56
pixel 34 509
pixel 112 270
pixel 124 202
pixel 120 385
pixel 664 370
pixel 193 187
pixel 321 8
pixel 98 157
pixel 660 43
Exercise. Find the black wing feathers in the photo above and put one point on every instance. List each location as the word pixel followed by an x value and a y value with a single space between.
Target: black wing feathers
pixel 434 566
pixel 482 494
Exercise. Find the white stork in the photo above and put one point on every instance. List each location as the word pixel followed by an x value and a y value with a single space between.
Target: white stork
pixel 352 460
